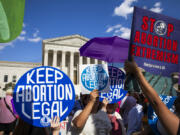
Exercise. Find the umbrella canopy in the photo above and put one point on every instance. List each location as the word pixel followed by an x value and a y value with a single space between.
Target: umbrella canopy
pixel 109 49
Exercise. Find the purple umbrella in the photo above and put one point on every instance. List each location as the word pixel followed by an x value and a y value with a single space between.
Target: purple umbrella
pixel 109 49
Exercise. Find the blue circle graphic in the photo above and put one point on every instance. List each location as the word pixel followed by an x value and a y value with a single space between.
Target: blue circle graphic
pixel 94 77
pixel 116 82
pixel 42 93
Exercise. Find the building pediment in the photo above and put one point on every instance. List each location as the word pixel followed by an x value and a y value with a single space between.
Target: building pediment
pixel 73 40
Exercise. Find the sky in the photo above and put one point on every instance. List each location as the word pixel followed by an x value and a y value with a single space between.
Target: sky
pixel 44 19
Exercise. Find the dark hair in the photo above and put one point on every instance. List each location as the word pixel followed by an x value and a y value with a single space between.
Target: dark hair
pixel 24 128
pixel 113 107
pixel 86 98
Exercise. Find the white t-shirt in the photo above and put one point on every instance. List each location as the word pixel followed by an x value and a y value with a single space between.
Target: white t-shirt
pixel 96 124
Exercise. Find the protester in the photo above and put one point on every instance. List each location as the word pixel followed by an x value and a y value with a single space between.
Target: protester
pixel 160 127
pixel 91 120
pixel 135 116
pixel 169 120
pixel 116 120
pixel 78 105
pixel 7 117
pixel 127 103
pixel 55 126
pixel 23 128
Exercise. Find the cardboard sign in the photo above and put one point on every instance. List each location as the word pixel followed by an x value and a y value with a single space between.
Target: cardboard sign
pixel 154 44
pixel 42 93
pixel 116 82
pixel 152 117
pixel 94 76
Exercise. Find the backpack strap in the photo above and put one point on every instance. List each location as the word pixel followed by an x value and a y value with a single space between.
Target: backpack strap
pixel 9 108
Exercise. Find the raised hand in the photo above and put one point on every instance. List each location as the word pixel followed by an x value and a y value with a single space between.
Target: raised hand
pixel 105 103
pixel 55 125
pixel 93 95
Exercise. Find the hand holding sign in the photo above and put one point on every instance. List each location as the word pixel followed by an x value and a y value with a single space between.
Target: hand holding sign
pixel 94 95
pixel 131 67
pixel 55 125
pixel 105 103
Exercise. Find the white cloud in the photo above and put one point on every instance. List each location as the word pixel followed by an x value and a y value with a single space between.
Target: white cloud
pixel 37 39
pixel 144 7
pixel 3 45
pixel 111 28
pixel 21 38
pixel 119 30
pixel 157 7
pixel 157 4
pixel 23 32
pixel 124 8
pixel 36 33
pixel 125 33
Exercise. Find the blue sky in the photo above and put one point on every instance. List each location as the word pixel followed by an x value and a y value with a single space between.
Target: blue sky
pixel 90 18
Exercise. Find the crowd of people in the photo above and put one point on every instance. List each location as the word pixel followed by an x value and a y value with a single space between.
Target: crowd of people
pixel 92 117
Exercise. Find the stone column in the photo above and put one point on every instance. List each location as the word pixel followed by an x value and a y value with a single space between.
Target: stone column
pixel 103 62
pixel 80 60
pixel 88 60
pixel 54 58
pixel 63 60
pixel 46 57
pixel 80 63
pixel 72 66
pixel 96 61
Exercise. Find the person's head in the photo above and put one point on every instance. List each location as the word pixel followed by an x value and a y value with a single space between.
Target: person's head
pixel 128 93
pixel 9 91
pixel 111 108
pixel 85 100
pixel 24 128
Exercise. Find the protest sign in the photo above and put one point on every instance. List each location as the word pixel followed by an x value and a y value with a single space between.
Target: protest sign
pixel 154 43
pixel 152 117
pixel 42 93
pixel 63 128
pixel 116 82
pixel 94 76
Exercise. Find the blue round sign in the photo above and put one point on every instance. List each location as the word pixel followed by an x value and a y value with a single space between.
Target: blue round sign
pixel 116 81
pixel 94 77
pixel 42 93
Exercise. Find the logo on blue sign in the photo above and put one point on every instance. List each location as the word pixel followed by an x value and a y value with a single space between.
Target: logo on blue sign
pixel 42 93
pixel 116 80
pixel 160 27
pixel 94 77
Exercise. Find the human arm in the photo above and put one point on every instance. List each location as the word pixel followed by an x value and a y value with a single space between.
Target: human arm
pixel 81 119
pixel 55 125
pixel 167 118
pixel 104 105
